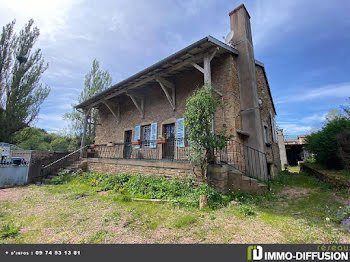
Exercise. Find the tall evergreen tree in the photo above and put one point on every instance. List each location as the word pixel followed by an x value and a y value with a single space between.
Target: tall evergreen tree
pixel 96 81
pixel 21 67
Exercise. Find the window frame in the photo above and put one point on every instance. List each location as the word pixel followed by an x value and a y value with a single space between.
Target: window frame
pixel 145 143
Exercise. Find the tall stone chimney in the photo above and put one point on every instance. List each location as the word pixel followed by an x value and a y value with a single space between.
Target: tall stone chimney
pixel 250 112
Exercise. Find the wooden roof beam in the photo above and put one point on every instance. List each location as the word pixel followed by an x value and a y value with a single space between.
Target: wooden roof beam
pixel 166 86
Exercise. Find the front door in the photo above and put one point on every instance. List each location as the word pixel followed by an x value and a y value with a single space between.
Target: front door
pixel 127 144
pixel 169 146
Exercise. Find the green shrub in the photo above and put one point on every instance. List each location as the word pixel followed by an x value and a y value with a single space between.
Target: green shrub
pixel 323 143
pixel 246 210
pixel 184 191
pixel 9 231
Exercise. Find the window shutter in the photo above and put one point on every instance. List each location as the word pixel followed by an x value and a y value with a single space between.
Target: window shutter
pixel 272 127
pixel 180 133
pixel 137 135
pixel 275 129
pixel 153 136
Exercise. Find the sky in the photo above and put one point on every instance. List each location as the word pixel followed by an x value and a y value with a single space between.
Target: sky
pixel 303 44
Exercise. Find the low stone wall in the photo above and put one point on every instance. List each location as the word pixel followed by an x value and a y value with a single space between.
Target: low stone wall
pixel 337 181
pixel 146 167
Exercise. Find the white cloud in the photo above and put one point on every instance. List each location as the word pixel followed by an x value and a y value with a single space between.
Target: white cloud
pixel 50 16
pixel 51 121
pixel 290 128
pixel 314 118
pixel 340 90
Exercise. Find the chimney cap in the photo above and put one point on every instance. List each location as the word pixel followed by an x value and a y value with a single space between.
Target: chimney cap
pixel 237 8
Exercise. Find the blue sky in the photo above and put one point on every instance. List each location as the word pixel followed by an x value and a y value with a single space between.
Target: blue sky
pixel 303 44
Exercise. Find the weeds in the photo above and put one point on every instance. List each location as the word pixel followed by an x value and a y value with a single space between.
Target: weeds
pixel 116 217
pixel 185 221
pixel 9 231
pixel 246 210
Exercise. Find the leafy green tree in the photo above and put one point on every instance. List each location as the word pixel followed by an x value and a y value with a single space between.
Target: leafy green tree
pixel 96 81
pixel 21 67
pixel 60 144
pixel 31 138
pixel 323 143
pixel 200 107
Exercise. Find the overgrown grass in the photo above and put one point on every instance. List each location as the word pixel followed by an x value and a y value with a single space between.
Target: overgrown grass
pixel 300 209
pixel 183 191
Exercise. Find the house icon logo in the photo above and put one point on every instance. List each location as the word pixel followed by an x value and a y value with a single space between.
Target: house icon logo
pixel 255 253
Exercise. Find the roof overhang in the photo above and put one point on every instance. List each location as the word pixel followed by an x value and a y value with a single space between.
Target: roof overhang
pixel 173 64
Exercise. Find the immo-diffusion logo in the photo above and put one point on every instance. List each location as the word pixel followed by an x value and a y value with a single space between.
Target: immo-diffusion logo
pixel 333 253
pixel 255 252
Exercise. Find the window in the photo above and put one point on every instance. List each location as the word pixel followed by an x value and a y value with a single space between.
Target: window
pixel 273 128
pixel 146 135
pixel 266 136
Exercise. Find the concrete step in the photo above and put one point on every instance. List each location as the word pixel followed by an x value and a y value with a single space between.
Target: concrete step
pixel 262 188
pixel 237 181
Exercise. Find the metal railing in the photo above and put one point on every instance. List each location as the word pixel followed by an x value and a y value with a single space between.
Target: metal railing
pixel 249 161
pixel 173 149
pixel 62 162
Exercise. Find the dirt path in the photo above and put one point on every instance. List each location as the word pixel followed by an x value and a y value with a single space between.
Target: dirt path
pixel 11 194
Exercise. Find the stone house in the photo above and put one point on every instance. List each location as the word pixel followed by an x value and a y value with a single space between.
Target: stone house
pixel 152 103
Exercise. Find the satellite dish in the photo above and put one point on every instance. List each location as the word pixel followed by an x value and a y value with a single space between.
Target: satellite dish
pixel 229 38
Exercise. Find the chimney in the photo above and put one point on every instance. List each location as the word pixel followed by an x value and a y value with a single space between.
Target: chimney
pixel 250 112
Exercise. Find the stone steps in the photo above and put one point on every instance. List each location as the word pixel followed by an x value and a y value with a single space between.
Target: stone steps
pixel 72 166
pixel 242 183
pixel 226 178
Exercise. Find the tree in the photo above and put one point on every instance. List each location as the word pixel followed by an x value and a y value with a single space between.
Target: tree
pixel 200 107
pixel 323 144
pixel 95 82
pixel 31 138
pixel 21 67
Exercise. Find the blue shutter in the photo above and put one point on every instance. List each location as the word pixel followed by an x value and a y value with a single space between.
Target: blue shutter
pixel 137 135
pixel 180 133
pixel 153 136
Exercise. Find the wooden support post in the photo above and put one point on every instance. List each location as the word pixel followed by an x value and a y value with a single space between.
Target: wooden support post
pixel 139 106
pixel 164 84
pixel 207 71
pixel 83 138
pixel 115 114
pixel 203 201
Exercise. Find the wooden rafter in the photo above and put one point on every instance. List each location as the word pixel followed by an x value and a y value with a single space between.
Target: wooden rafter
pixel 116 113
pixel 166 86
pixel 139 105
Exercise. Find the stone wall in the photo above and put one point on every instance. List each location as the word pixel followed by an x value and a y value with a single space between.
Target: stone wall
pixel 271 148
pixel 157 108
pixel 146 167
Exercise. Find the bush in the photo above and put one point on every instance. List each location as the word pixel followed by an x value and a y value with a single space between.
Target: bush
pixel 152 187
pixel 324 145
pixel 246 210
pixel 9 231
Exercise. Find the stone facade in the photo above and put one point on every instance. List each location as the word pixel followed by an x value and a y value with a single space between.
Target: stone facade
pixel 267 111
pixel 157 108
pixel 231 70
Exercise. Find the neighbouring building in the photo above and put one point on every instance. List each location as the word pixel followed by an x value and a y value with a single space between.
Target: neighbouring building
pixel 282 148
pixel 295 149
pixel 151 103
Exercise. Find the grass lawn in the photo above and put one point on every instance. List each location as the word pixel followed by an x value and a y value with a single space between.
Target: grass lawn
pixel 300 209
pixel 293 169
